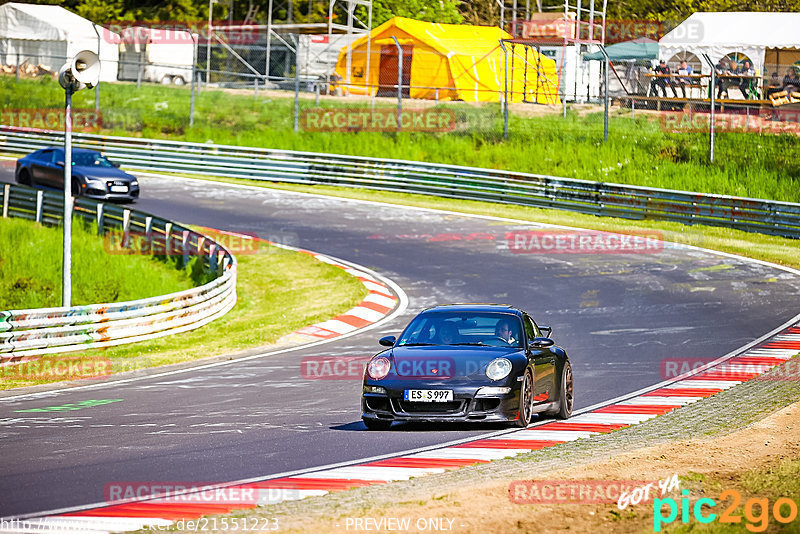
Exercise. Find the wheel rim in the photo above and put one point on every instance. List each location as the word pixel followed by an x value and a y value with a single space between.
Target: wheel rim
pixel 525 409
pixel 568 387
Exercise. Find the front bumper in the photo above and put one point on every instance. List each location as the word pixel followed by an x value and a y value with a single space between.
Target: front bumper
pixel 465 407
pixel 99 191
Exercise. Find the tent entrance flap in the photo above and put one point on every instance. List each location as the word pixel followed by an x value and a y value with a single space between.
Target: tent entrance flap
pixel 387 73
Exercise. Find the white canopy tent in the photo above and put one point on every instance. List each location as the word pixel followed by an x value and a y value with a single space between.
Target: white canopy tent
pixel 769 40
pixel 48 35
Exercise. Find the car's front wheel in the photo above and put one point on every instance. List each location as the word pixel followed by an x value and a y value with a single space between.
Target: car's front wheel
pixel 525 399
pixel 377 424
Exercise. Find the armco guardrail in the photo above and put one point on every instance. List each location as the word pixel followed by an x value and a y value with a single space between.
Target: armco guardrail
pixel 596 198
pixel 35 332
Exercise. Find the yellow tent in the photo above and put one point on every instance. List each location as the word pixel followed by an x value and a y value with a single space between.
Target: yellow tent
pixel 445 62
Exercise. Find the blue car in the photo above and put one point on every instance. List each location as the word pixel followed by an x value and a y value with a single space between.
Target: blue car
pixel 93 175
pixel 468 363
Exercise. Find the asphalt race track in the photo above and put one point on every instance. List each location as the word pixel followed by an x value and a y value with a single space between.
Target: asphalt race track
pixel 618 315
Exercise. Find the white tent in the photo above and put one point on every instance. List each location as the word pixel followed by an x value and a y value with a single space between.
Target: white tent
pixel 48 35
pixel 769 40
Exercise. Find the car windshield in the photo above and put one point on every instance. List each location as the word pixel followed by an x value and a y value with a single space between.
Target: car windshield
pixel 87 159
pixel 493 329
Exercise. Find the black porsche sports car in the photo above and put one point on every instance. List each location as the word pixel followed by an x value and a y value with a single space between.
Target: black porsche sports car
pixel 468 363
pixel 93 175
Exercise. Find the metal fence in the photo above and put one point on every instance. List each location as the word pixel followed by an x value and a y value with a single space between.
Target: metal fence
pixel 452 181
pixel 36 332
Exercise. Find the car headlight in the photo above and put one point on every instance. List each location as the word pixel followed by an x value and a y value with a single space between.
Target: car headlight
pixel 378 368
pixel 498 368
pixel 134 182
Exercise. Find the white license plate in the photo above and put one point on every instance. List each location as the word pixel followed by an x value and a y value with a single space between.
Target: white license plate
pixel 119 188
pixel 428 395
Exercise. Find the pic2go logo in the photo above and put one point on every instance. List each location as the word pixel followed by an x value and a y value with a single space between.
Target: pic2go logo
pixel 756 511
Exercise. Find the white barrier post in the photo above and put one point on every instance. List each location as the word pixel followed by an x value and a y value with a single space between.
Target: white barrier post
pixel 6 193
pixel 39 199
pixel 100 218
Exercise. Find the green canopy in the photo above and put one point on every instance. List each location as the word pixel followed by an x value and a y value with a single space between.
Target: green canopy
pixel 642 48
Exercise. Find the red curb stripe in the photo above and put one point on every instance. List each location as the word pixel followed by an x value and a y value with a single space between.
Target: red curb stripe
pixel 317 331
pixel 382 294
pixel 683 392
pixel 447 463
pixel 633 408
pixel 331 484
pixel 352 320
pixel 172 511
pixel 584 427
pixel 375 307
pixel 532 444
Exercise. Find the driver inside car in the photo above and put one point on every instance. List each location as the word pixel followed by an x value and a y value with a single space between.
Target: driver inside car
pixel 448 334
pixel 506 332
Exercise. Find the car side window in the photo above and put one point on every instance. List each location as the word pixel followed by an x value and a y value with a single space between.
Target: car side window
pixel 44 156
pixel 53 156
pixel 531 331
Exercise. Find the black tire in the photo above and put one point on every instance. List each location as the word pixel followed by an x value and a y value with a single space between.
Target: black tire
pixel 377 424
pixel 24 177
pixel 76 188
pixel 566 395
pixel 525 400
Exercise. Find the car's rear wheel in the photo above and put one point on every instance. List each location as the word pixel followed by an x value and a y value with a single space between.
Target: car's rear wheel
pixel 24 177
pixel 525 399
pixel 377 424
pixel 566 395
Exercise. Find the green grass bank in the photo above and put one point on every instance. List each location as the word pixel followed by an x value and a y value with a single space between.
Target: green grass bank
pixel 638 151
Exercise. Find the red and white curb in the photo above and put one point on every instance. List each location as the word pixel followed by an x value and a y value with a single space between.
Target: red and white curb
pixel 380 301
pixel 376 305
pixel 726 372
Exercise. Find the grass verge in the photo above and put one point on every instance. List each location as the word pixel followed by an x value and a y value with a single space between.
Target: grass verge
pixel 639 151
pixel 279 291
pixel 30 269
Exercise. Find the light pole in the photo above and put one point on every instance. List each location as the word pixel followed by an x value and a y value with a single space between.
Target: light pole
pixel 81 71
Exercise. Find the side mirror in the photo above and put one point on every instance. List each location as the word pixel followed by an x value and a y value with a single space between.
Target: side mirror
pixel 114 163
pixel 387 341
pixel 542 342
pixel 547 331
